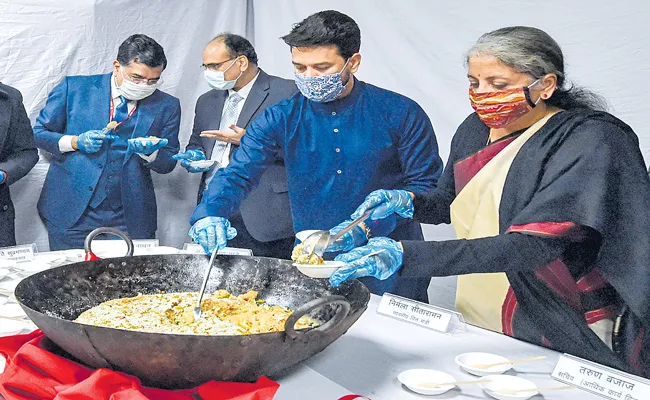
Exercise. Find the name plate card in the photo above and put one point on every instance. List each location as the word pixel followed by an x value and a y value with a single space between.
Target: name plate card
pixel 193 248
pixel 601 380
pixel 415 312
pixel 18 253
pixel 145 243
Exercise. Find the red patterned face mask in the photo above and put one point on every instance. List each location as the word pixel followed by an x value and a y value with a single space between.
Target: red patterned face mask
pixel 498 109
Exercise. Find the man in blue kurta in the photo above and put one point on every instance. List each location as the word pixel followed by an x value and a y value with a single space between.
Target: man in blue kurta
pixel 341 139
pixel 97 178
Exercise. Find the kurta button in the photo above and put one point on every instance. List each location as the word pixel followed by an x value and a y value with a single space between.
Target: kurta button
pixel 333 112
pixel 5 207
pixel 90 188
pixel 336 130
pixel 337 150
pixel 100 165
pixel 339 172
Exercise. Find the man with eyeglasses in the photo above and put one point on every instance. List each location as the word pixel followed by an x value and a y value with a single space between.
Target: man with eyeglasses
pixel 240 92
pixel 98 176
pixel 341 138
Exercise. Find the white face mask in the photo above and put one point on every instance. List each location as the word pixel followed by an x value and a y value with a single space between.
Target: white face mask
pixel 136 91
pixel 217 79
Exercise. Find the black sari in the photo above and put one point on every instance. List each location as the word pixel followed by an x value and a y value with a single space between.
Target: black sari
pixel 574 242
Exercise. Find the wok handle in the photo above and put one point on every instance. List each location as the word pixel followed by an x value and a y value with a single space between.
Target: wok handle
pixel 89 253
pixel 341 313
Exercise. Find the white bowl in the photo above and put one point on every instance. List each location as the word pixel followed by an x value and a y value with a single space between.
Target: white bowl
pixel 415 379
pixel 202 163
pixel 466 360
pixel 319 270
pixel 153 139
pixel 302 235
pixel 509 382
pixel 160 250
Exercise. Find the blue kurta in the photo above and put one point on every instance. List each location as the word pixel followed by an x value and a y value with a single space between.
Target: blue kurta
pixel 336 153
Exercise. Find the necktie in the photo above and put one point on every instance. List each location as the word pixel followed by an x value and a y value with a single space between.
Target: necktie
pixel 228 117
pixel 121 111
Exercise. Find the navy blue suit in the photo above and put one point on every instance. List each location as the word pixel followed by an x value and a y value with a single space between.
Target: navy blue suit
pixel 17 155
pixel 82 103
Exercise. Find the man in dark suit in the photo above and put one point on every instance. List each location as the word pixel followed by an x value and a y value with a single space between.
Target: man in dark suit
pixel 18 155
pixel 241 91
pixel 99 179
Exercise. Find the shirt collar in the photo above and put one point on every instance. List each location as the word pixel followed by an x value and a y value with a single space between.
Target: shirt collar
pixel 244 91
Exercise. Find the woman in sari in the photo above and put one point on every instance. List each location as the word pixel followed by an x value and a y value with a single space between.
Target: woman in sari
pixel 550 200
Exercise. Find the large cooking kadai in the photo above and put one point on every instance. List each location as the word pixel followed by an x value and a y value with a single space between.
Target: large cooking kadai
pixel 55 297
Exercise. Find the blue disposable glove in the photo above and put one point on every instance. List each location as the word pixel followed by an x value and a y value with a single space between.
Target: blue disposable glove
pixel 386 202
pixel 212 233
pixel 91 141
pixel 354 238
pixel 380 265
pixel 188 156
pixel 3 176
pixel 145 146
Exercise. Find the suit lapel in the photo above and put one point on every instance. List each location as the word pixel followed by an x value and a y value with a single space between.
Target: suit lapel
pixel 217 105
pixel 144 115
pixel 5 117
pixel 254 100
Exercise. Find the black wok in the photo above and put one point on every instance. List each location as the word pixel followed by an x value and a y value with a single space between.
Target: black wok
pixel 54 298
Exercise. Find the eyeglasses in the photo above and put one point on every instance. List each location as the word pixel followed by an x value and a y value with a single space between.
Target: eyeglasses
pixel 215 66
pixel 140 81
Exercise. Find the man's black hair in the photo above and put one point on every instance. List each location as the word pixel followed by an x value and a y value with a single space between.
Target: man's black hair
pixel 142 49
pixel 326 28
pixel 238 46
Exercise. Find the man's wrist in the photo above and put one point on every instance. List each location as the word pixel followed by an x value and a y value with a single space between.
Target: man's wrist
pixel 73 143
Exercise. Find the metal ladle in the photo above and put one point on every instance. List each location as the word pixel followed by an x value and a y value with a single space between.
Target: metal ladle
pixel 197 308
pixel 317 242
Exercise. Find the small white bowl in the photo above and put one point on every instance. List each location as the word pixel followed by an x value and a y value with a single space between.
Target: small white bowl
pixel 509 382
pixel 415 379
pixel 319 270
pixel 466 360
pixel 202 163
pixel 152 139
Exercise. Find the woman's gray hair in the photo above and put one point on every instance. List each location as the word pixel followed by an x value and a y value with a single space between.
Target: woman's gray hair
pixel 534 52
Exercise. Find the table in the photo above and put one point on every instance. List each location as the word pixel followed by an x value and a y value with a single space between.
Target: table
pixel 367 359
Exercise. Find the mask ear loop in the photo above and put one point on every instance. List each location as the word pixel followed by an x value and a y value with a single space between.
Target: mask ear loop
pixel 530 102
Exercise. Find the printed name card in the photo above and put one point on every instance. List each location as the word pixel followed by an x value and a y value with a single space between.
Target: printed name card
pixel 193 248
pixel 601 380
pixel 18 253
pixel 145 243
pixel 415 312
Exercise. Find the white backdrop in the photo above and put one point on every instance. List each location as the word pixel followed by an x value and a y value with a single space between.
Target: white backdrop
pixel 413 47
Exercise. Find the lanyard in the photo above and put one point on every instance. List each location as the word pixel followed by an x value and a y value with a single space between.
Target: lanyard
pixel 112 111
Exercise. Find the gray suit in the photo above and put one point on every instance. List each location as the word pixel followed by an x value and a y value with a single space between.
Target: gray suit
pixel 18 155
pixel 264 222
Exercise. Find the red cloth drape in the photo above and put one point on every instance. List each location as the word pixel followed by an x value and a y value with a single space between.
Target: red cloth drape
pixel 34 373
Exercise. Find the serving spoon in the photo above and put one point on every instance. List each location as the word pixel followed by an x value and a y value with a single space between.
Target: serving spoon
pixel 197 308
pixel 317 242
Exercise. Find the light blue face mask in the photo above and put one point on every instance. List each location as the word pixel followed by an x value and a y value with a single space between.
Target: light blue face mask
pixel 322 88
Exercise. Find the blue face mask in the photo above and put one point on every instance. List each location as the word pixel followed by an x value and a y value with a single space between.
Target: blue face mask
pixel 322 88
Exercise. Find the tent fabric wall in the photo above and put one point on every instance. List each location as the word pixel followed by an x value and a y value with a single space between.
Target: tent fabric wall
pixel 414 47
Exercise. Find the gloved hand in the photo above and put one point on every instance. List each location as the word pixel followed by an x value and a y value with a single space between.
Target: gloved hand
pixel 188 156
pixel 386 202
pixel 381 265
pixel 91 141
pixel 354 238
pixel 3 176
pixel 212 232
pixel 145 146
